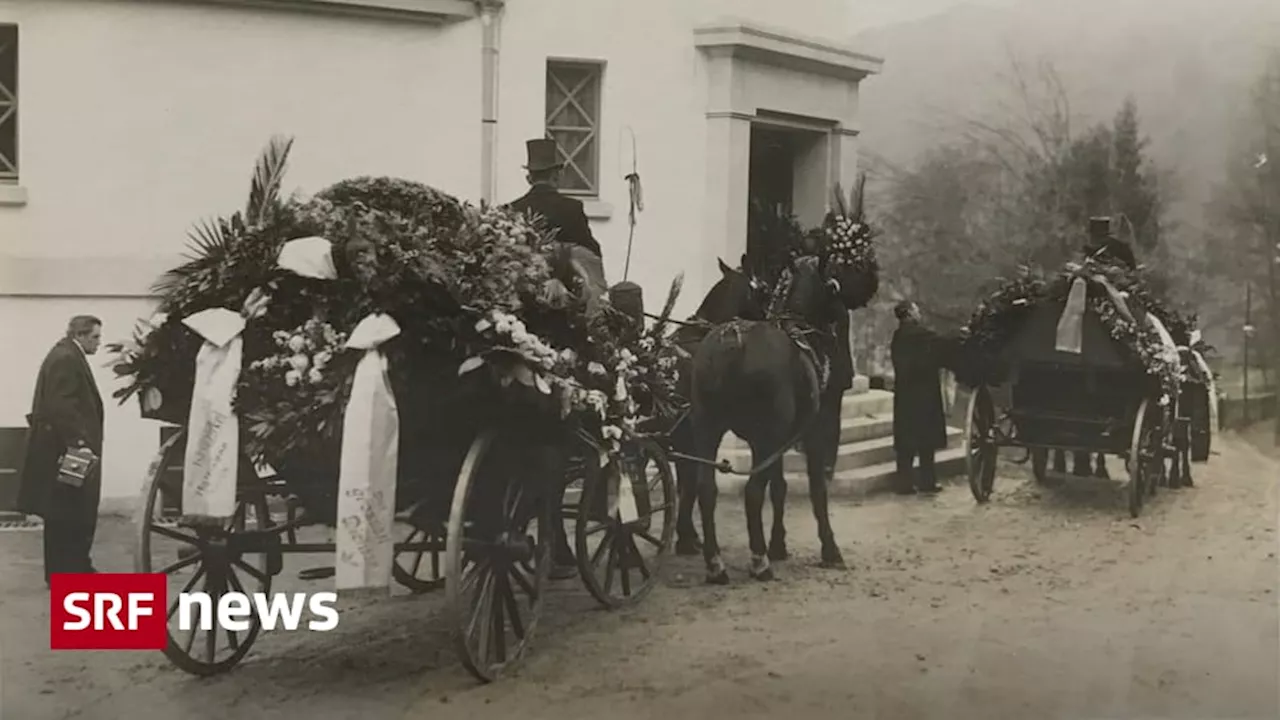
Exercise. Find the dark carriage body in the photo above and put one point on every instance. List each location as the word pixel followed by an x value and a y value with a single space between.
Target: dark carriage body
pixel 1100 400
pixel 1073 401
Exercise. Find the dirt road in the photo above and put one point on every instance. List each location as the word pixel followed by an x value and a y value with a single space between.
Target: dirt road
pixel 1047 603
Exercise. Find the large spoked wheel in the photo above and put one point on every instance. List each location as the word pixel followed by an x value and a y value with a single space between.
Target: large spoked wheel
pixel 241 556
pixel 419 554
pixel 498 556
pixel 625 523
pixel 1146 455
pixel 980 444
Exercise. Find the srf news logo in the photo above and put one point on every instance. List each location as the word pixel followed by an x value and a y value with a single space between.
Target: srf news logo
pixel 129 611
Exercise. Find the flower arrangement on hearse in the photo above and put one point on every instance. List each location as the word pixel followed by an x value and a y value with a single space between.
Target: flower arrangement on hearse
pixel 1121 301
pixel 456 296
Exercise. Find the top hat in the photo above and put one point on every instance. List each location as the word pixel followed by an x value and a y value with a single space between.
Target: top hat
pixel 543 155
pixel 1100 227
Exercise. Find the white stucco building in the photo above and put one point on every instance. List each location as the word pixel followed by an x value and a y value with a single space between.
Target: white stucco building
pixel 122 122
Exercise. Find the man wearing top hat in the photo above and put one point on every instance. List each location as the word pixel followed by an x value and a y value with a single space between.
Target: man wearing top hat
pixel 1104 245
pixel 562 215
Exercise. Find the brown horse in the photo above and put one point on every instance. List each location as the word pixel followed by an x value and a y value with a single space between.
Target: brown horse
pixel 737 295
pixel 763 382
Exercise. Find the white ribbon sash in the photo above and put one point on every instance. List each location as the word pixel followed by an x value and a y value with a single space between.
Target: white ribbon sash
pixel 1070 336
pixel 309 257
pixel 370 452
pixel 1165 337
pixel 213 444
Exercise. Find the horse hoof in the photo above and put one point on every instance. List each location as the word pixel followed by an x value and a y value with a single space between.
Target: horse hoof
pixel 778 552
pixel 686 548
pixel 765 575
pixel 832 560
pixel 720 578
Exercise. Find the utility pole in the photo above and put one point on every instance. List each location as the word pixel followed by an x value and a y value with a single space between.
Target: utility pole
pixel 1248 332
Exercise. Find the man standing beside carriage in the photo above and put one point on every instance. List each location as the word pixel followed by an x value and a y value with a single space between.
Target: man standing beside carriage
pixel 919 420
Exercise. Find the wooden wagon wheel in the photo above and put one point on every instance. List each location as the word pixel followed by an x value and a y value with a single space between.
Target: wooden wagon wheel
pixel 497 558
pixel 619 551
pixel 980 444
pixel 419 556
pixel 1146 455
pixel 1202 431
pixel 242 556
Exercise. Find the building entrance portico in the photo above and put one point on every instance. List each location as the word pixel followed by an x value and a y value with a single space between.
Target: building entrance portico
pixel 792 101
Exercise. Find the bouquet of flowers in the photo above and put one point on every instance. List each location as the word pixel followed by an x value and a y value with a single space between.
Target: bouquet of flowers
pixel 846 240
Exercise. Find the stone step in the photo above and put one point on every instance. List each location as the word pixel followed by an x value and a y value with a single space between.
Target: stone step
pixel 857 481
pixel 857 429
pixel 852 455
pixel 867 404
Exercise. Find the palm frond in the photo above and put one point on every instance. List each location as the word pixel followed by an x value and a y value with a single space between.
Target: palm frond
pixel 838 208
pixel 857 198
pixel 208 244
pixel 677 284
pixel 268 174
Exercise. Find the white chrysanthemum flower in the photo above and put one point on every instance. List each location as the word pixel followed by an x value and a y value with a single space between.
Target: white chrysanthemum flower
pixel 299 362
pixel 292 378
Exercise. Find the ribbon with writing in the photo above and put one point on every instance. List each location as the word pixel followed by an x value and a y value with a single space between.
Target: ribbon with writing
pixel 213 440
pixel 370 452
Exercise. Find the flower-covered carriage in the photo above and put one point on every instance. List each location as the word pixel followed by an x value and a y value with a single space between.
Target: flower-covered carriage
pixel 1084 361
pixel 418 375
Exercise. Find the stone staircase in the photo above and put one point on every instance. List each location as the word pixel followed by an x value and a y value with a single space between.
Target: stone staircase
pixel 865 462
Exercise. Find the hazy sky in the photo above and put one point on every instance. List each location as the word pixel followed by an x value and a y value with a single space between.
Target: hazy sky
pixel 872 13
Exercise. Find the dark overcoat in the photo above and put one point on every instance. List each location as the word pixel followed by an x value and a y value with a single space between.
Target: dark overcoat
pixel 919 420
pixel 1117 251
pixel 561 213
pixel 66 410
pixel 842 359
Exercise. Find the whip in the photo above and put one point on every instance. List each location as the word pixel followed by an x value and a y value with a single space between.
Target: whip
pixel 636 198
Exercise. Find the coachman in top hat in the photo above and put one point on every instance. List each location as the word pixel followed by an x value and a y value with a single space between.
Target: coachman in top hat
pixel 561 214
pixel 1104 245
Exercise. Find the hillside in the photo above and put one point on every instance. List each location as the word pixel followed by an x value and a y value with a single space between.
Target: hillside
pixel 1187 62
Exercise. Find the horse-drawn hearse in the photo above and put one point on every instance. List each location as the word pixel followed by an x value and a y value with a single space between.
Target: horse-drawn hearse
pixel 1075 364
pixel 415 378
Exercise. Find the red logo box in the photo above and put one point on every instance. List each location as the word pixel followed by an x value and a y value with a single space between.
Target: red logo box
pixel 108 611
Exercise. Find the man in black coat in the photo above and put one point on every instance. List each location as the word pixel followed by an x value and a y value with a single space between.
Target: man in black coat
pixel 66 413
pixel 919 420
pixel 562 215
pixel 1104 245
pixel 560 212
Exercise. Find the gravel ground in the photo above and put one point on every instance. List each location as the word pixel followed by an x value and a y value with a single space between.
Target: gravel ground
pixel 1046 603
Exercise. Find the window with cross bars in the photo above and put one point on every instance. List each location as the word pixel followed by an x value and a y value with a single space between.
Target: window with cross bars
pixel 8 103
pixel 573 121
